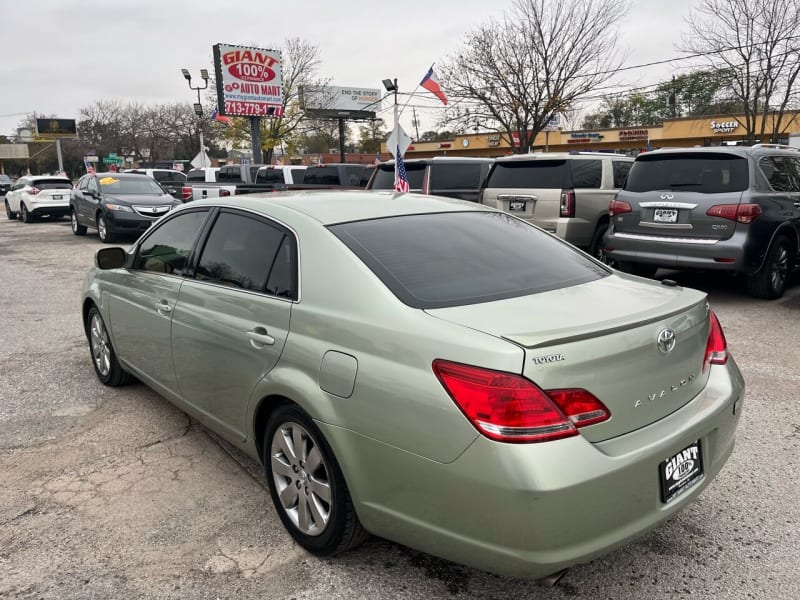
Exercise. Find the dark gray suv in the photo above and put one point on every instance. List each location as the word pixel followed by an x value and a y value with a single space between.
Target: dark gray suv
pixel 723 208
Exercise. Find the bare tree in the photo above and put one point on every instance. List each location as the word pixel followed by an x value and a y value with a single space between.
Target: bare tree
pixel 514 75
pixel 758 44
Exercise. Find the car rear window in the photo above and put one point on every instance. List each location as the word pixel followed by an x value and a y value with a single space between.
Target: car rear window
pixel 539 174
pixel 384 178
pixel 702 172
pixel 270 176
pixel 52 184
pixel 454 259
pixel 455 176
pixel 169 176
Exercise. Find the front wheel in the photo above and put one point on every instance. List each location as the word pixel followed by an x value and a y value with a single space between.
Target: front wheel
pixel 104 359
pixel 10 214
pixel 307 486
pixel 770 282
pixel 77 228
pixel 106 235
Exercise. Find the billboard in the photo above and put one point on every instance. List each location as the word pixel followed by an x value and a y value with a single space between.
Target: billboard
pixel 249 81
pixel 12 151
pixel 332 102
pixel 56 128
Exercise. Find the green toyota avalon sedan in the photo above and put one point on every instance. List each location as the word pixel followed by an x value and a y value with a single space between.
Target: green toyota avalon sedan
pixel 427 370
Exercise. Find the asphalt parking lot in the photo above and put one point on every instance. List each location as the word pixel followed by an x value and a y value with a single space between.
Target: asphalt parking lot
pixel 113 493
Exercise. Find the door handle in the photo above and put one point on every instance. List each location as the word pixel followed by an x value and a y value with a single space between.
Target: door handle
pixel 259 338
pixel 163 308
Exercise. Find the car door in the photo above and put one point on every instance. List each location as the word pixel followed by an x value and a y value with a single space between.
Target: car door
pixel 231 321
pixel 88 202
pixel 14 195
pixel 142 303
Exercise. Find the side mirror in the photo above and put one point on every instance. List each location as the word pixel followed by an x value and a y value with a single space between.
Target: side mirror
pixel 110 258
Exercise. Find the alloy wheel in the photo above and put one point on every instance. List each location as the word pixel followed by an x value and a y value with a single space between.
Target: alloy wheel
pixel 102 230
pixel 779 268
pixel 101 347
pixel 73 221
pixel 302 478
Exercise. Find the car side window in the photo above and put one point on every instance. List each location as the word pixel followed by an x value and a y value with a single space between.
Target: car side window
pixel 587 173
pixel 781 173
pixel 91 185
pixel 167 249
pixel 621 169
pixel 243 252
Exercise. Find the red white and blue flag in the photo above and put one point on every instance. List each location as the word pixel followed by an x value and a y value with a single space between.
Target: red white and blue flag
pixel 431 83
pixel 400 175
pixel 215 116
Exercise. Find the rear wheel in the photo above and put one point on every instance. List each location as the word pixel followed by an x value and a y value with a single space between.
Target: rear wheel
pixel 598 243
pixel 10 213
pixel 26 216
pixel 770 282
pixel 640 269
pixel 77 228
pixel 307 485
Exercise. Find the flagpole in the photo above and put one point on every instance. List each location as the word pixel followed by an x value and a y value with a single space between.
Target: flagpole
pixel 396 134
pixel 412 94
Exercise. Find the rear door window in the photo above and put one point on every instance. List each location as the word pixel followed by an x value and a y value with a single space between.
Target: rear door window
pixel 587 173
pixel 702 172
pixel 621 170
pixel 453 259
pixel 540 174
pixel 449 176
pixel 384 178
pixel 781 172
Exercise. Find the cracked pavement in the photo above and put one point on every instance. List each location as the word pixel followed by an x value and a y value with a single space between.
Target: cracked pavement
pixel 114 493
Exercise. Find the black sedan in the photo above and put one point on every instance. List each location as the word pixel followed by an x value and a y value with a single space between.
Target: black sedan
pixel 117 203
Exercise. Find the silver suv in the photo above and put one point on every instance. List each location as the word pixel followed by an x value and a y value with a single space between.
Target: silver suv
pixel 724 208
pixel 563 193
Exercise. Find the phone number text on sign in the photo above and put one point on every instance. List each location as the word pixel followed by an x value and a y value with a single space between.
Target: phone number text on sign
pixel 251 109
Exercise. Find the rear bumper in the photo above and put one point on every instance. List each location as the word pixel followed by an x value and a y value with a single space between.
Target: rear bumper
pixel 732 254
pixel 55 209
pixel 528 510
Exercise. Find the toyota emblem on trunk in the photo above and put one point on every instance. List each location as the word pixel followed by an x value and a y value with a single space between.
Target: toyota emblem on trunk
pixel 666 340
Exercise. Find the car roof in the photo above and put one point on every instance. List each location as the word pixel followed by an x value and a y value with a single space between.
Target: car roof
pixel 443 159
pixel 125 175
pixel 45 177
pixel 334 206
pixel 743 151
pixel 562 155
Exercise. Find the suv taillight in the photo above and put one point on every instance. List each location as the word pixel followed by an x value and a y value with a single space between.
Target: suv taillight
pixel 617 207
pixel 186 193
pixel 224 193
pixel 33 191
pixel 717 346
pixel 567 203
pixel 509 408
pixel 741 213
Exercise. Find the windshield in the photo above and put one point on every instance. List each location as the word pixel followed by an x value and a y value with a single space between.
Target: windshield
pixel 384 178
pixel 5 179
pixel 453 259
pixel 120 186
pixel 701 172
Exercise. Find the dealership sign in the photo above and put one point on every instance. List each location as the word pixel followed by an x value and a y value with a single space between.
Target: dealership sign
pixel 249 81
pixel 724 126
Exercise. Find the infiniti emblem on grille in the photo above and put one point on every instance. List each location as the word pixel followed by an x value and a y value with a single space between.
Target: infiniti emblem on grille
pixel 666 340
pixel 667 196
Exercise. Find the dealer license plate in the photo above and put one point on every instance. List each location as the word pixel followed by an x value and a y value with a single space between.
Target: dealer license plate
pixel 665 215
pixel 681 471
pixel 58 197
pixel 517 206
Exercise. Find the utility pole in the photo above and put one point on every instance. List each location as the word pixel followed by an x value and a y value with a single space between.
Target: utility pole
pixel 415 122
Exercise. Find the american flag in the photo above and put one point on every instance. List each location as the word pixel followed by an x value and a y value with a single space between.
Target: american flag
pixel 400 175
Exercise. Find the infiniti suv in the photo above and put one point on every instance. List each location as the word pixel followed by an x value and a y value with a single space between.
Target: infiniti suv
pixel 724 208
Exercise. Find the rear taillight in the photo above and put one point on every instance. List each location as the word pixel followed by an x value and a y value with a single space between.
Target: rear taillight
pixel 717 346
pixel 509 408
pixel 33 191
pixel 223 193
pixel 617 207
pixel 567 204
pixel 741 213
pixel 186 193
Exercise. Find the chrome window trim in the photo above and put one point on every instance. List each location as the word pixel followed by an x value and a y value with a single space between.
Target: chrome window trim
pixel 669 240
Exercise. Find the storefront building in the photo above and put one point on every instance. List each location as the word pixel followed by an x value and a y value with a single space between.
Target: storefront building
pixel 684 132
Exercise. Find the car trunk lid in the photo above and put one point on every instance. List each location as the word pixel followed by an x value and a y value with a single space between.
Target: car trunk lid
pixel 613 353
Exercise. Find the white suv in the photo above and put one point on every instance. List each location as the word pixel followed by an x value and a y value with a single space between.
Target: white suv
pixel 38 195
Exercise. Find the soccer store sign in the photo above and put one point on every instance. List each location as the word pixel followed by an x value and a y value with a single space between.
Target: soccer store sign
pixel 249 81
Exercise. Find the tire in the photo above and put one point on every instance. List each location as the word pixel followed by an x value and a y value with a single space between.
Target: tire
pixel 104 359
pixel 312 500
pixel 769 282
pixel 12 216
pixel 106 235
pixel 77 228
pixel 640 269
pixel 597 244
pixel 24 214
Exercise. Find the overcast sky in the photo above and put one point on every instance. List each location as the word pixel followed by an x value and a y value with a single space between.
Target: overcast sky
pixel 60 55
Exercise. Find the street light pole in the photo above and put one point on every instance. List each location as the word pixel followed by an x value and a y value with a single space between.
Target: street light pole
pixel 198 107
